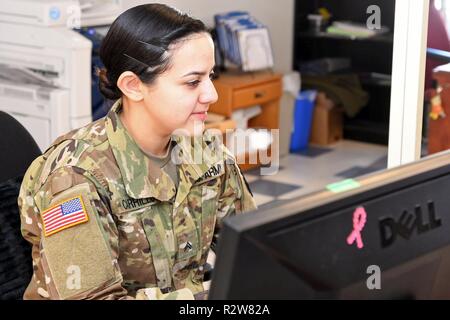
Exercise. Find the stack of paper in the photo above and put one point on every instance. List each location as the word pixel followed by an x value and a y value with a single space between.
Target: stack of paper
pixel 354 30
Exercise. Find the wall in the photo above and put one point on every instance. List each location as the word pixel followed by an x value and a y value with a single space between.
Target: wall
pixel 278 16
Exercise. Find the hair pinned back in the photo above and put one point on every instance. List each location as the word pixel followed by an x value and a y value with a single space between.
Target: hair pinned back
pixel 109 91
pixel 139 41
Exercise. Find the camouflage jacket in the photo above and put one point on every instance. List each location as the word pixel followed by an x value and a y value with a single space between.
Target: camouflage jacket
pixel 136 235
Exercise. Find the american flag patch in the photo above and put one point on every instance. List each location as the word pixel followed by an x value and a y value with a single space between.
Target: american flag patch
pixel 64 215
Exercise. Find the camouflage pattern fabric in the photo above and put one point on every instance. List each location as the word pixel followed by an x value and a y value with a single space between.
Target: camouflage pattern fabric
pixel 144 237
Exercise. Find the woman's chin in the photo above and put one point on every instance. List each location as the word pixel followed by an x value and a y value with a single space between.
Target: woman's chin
pixel 192 128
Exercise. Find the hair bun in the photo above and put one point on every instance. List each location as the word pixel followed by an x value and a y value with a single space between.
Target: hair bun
pixel 108 90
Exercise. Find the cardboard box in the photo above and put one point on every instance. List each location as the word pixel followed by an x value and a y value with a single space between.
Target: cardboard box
pixel 327 123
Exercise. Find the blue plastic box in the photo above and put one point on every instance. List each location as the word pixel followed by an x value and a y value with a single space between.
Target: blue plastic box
pixel 303 113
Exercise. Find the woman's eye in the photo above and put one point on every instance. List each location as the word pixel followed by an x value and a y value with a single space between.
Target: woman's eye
pixel 193 83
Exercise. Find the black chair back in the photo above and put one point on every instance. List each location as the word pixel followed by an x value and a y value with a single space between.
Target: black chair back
pixel 17 150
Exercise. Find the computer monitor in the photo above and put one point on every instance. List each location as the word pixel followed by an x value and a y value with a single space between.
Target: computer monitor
pixel 308 248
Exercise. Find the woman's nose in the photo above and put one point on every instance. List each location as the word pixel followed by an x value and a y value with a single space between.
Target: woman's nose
pixel 209 93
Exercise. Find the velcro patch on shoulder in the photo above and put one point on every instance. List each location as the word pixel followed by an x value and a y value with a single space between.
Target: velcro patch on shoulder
pixel 64 215
pixel 61 183
pixel 80 259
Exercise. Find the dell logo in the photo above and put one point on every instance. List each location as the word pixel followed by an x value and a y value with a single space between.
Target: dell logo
pixel 407 223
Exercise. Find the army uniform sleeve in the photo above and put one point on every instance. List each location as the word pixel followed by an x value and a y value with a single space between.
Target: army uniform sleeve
pixel 75 257
pixel 236 196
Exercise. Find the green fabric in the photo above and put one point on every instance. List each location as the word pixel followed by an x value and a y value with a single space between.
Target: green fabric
pixel 345 90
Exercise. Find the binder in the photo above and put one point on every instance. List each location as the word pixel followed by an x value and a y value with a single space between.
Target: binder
pixel 244 41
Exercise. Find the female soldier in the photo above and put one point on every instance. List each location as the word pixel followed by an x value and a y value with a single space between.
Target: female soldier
pixel 107 211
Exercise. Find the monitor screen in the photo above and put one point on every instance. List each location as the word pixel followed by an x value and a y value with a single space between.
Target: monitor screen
pixel 387 238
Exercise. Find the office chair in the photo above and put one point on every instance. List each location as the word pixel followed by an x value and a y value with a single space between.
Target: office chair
pixel 18 149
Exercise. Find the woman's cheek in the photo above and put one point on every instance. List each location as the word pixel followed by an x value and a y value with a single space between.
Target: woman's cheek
pixel 178 119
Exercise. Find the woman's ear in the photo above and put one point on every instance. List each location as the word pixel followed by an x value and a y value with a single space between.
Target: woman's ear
pixel 130 85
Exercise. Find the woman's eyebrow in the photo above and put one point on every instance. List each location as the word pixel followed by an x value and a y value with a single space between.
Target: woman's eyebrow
pixel 197 73
pixel 194 73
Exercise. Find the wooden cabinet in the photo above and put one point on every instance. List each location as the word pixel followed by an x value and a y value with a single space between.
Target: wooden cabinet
pixel 244 90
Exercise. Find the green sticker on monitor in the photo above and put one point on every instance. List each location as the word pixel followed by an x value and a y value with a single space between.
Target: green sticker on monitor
pixel 343 186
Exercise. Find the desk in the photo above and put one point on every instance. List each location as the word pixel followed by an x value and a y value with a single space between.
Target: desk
pixel 243 90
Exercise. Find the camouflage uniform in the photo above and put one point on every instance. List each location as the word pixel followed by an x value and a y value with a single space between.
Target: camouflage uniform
pixel 143 237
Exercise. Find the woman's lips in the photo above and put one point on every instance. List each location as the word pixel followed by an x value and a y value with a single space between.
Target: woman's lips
pixel 200 115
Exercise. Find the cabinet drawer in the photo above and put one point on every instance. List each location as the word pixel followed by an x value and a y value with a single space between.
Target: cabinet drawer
pixel 256 95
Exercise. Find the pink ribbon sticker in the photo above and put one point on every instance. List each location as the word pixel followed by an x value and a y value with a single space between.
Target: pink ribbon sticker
pixel 359 220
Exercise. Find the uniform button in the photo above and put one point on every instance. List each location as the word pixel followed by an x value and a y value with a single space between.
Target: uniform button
pixel 157 180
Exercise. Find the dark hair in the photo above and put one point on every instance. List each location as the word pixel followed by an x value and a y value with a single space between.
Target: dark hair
pixel 139 40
